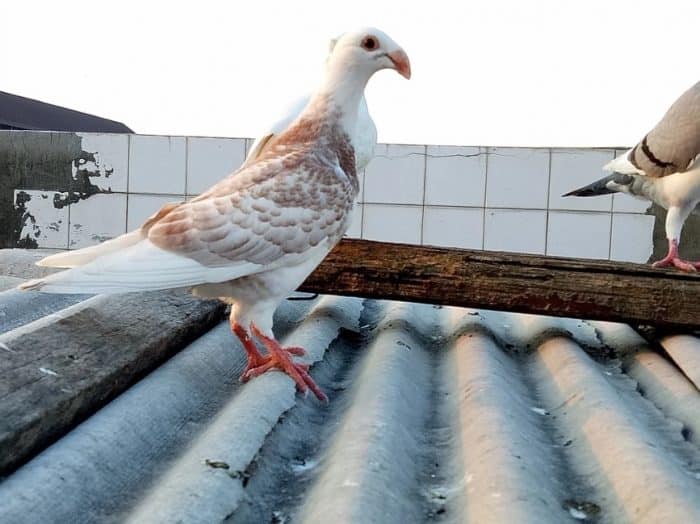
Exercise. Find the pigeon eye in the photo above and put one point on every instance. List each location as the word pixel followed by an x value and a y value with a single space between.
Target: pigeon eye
pixel 369 43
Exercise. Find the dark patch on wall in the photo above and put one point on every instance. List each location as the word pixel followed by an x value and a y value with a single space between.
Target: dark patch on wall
pixel 44 162
pixel 690 236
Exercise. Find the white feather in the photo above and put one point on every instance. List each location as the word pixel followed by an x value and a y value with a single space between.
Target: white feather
pixel 622 165
pixel 80 257
pixel 140 267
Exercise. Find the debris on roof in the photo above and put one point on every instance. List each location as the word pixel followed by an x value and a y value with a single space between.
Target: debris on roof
pixel 436 414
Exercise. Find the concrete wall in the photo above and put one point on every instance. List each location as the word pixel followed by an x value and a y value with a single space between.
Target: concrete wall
pixel 67 190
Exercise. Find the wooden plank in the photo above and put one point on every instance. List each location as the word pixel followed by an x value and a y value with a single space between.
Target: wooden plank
pixel 588 289
pixel 59 370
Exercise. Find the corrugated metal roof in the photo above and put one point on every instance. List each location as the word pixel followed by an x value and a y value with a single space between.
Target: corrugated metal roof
pixel 436 414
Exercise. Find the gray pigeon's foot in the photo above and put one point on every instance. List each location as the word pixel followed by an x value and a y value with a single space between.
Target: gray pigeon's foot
pixel 281 358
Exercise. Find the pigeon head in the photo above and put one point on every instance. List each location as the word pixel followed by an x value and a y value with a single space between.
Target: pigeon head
pixel 367 51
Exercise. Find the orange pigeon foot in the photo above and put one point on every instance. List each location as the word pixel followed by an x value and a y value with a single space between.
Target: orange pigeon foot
pixel 281 358
pixel 255 358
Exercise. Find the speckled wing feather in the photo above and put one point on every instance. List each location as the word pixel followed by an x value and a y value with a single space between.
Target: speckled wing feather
pixel 674 143
pixel 280 206
pixel 289 207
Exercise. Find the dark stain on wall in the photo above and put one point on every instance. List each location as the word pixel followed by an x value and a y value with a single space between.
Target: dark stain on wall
pixel 39 161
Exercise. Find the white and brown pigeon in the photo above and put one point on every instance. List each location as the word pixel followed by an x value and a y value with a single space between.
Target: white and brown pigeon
pixel 363 139
pixel 255 236
pixel 664 168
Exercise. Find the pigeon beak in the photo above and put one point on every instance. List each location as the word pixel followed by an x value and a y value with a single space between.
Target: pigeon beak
pixel 400 60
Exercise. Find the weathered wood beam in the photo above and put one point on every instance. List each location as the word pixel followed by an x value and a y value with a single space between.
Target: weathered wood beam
pixel 56 373
pixel 588 289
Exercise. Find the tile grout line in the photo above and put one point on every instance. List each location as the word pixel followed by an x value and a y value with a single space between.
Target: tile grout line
pixel 612 207
pixel 128 176
pixel 549 190
pixel 483 208
pixel 71 205
pixel 425 176
pixel 187 163
pixel 362 211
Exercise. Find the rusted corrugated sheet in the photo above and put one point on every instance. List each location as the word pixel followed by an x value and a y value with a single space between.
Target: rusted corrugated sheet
pixel 435 414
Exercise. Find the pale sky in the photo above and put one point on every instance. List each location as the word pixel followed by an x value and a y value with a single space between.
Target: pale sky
pixel 485 72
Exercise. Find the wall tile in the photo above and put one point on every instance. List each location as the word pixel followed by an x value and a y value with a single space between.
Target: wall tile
pixel 453 227
pixel 574 168
pixel 455 176
pixel 515 230
pixel 106 158
pixel 395 175
pixel 579 235
pixel 623 203
pixel 392 223
pixel 632 237
pixel 44 223
pixel 98 218
pixel 517 177
pixel 157 164
pixel 355 229
pixel 142 207
pixel 211 159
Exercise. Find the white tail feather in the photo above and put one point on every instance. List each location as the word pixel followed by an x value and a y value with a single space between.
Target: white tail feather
pixel 140 267
pixel 80 257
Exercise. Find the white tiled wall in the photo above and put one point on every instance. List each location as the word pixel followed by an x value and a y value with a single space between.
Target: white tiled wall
pixel 157 164
pixel 97 219
pixel 573 168
pixel 208 159
pixel 578 234
pixel 631 239
pixel 111 154
pixel 396 175
pixel 491 198
pixel 455 176
pixel 517 230
pixel 392 223
pixel 517 178
pixel 453 227
pixel 46 223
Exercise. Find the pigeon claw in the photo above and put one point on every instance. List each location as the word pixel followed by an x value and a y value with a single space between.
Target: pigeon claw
pixel 683 265
pixel 281 358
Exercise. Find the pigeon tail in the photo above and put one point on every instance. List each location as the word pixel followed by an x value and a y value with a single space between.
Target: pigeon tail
pixel 614 183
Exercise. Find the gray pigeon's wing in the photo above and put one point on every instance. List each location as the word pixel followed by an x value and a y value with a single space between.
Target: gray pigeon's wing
pixel 675 141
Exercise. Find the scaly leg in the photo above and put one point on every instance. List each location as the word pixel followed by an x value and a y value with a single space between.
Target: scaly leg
pixel 255 358
pixel 280 358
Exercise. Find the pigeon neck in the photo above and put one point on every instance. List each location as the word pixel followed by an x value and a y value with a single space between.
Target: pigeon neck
pixel 342 92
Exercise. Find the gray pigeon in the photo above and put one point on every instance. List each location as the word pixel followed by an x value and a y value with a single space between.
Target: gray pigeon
pixel 664 168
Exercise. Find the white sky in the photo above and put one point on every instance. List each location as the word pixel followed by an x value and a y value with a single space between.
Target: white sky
pixel 485 72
